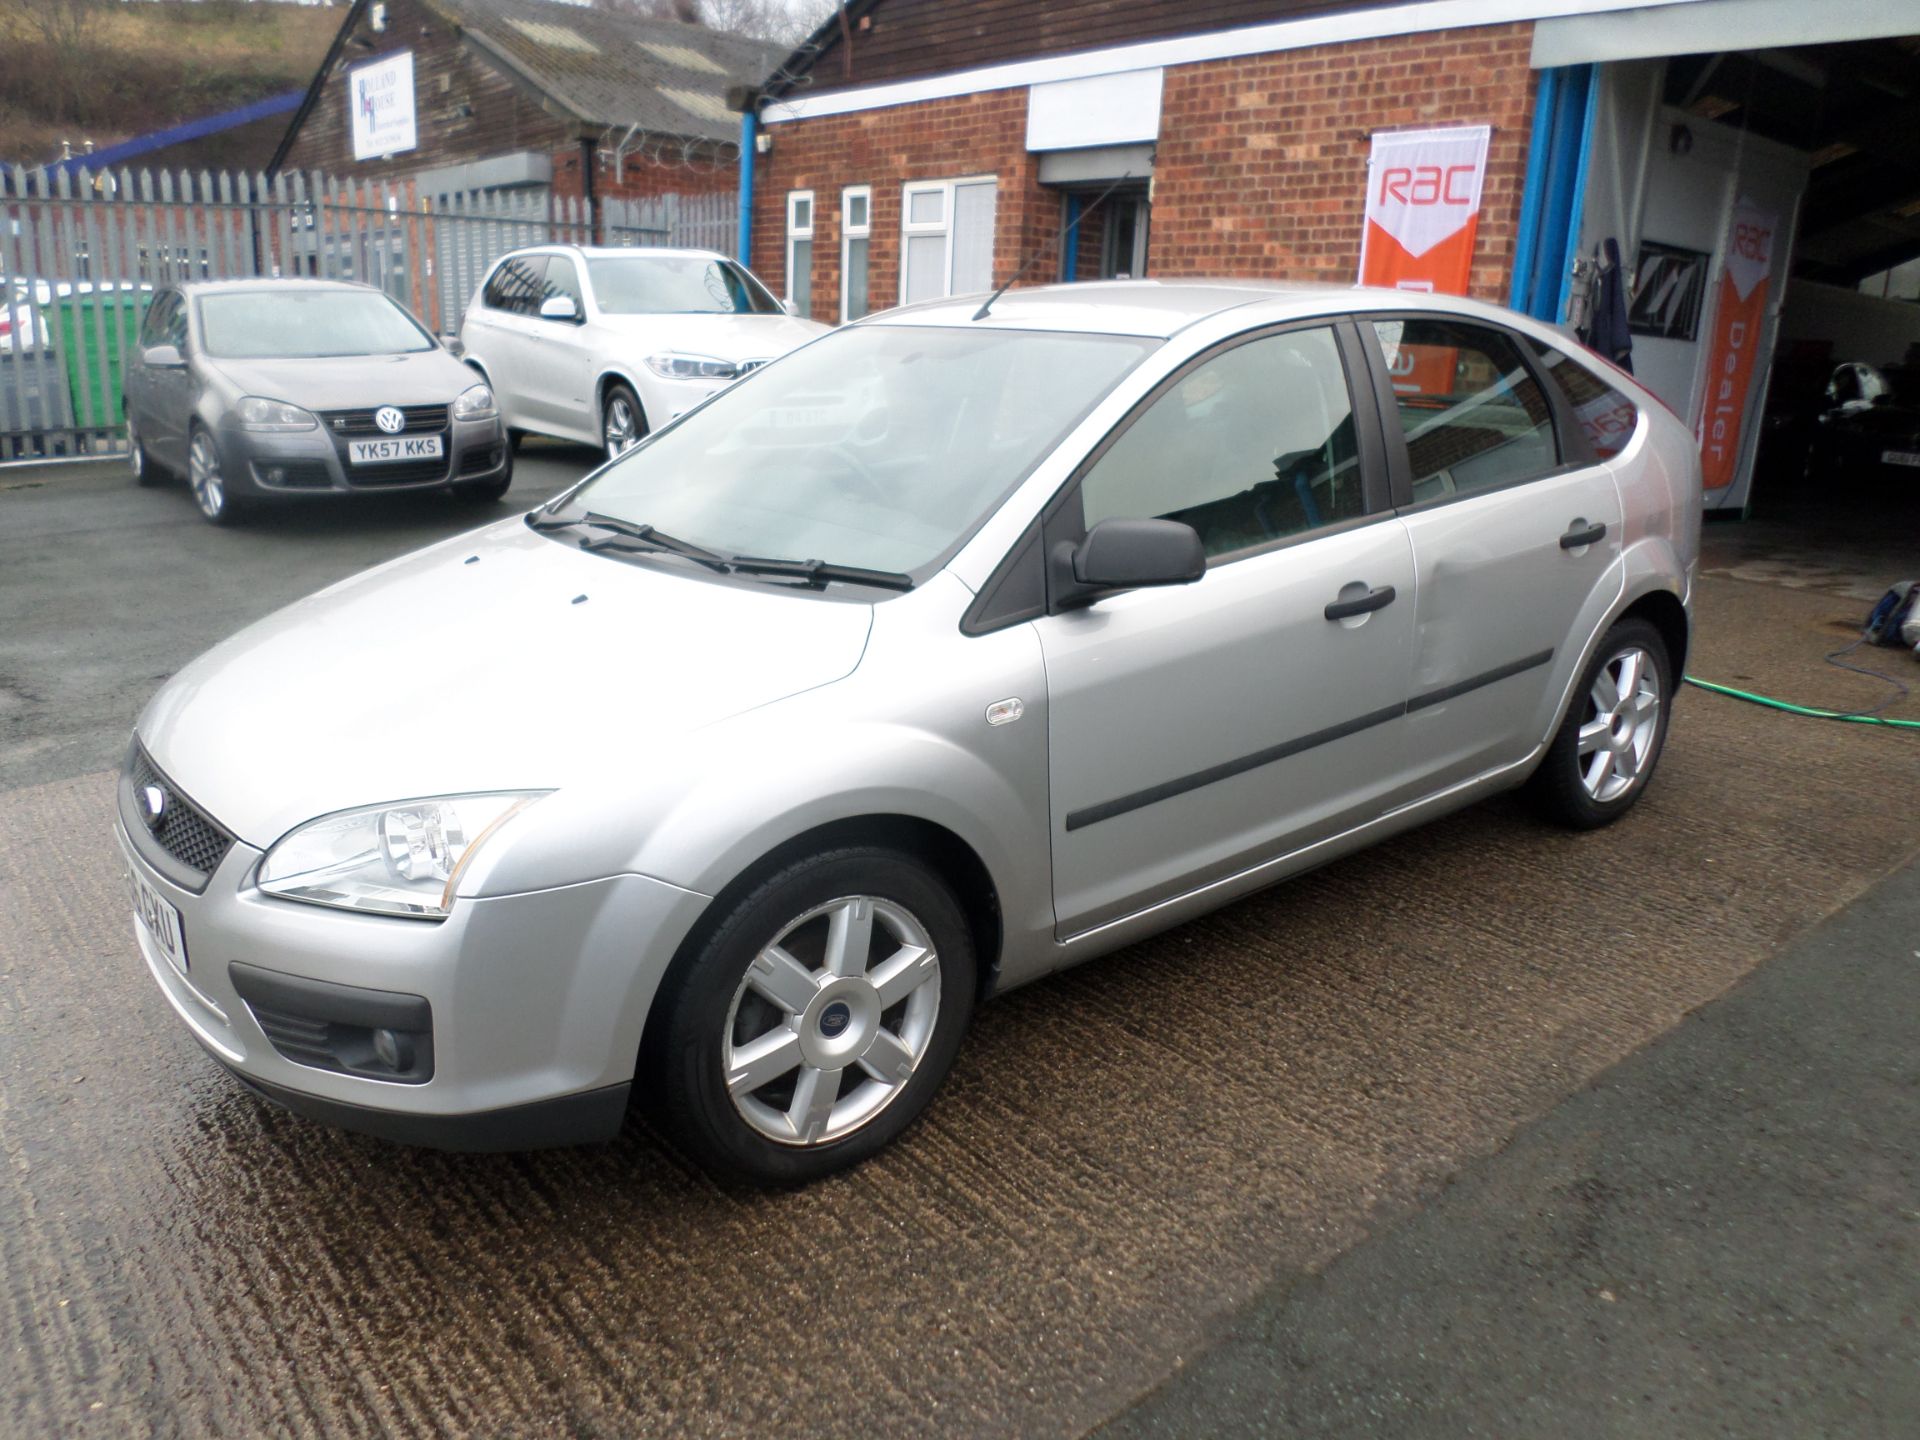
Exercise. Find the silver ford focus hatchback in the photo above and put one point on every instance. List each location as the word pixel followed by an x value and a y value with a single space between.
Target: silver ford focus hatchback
pixel 958 646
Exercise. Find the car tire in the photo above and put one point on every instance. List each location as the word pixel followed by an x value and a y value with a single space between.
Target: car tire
pixel 146 471
pixel 492 488
pixel 745 1041
pixel 514 439
pixel 623 424
pixel 211 493
pixel 1603 756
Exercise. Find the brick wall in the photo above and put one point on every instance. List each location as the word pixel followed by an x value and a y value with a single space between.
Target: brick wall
pixel 648 176
pixel 1260 172
pixel 1262 163
pixel 983 134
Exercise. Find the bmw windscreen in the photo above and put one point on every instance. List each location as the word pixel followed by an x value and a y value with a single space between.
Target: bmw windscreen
pixel 878 447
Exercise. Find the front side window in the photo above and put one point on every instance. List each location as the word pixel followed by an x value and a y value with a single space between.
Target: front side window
pixel 154 328
pixel 676 285
pixel 1473 415
pixel 1254 445
pixel 307 325
pixel 878 446
pixel 563 279
pixel 800 250
pixel 1605 415
pixel 856 232
pixel 518 285
pixel 946 238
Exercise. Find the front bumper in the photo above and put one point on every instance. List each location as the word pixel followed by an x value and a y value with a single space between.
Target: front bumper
pixel 292 463
pixel 537 1001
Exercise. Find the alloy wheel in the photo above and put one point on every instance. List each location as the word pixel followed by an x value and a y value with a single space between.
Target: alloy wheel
pixel 831 1020
pixel 1621 726
pixel 621 430
pixel 203 472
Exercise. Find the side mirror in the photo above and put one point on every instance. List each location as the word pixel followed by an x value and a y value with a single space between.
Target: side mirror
pixel 559 307
pixel 162 357
pixel 792 307
pixel 1129 555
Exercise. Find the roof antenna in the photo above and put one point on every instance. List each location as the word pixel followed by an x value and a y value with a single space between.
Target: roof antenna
pixel 1073 225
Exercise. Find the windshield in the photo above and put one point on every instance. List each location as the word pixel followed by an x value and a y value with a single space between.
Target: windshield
pixel 879 446
pixel 306 325
pixel 677 285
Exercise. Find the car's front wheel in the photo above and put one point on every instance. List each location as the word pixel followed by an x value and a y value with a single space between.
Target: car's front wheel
pixel 145 471
pixel 816 1020
pixel 622 423
pixel 1603 756
pixel 210 491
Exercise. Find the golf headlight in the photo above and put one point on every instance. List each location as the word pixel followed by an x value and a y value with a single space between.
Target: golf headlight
pixel 401 859
pixel 672 365
pixel 256 413
pixel 475 403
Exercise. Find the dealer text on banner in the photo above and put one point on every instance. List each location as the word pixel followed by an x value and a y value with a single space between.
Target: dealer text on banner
pixel 1739 316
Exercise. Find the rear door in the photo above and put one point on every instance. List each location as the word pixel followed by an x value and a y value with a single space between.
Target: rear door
pixel 1516 533
pixel 1196 730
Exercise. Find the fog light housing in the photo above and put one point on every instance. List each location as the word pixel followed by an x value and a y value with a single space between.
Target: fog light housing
pixel 393 1050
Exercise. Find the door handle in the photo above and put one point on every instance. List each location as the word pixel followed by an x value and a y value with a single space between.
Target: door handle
pixel 1375 599
pixel 1577 535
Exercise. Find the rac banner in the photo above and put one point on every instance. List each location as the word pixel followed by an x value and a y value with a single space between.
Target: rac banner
pixel 1423 207
pixel 1739 316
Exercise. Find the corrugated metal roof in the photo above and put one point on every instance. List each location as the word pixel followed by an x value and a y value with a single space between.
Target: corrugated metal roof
pixel 606 68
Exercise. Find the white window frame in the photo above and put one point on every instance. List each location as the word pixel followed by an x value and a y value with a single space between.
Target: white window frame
pixel 944 228
pixel 850 232
pixel 795 232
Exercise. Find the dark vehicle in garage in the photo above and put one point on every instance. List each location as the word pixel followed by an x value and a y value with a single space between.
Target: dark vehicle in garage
pixel 261 390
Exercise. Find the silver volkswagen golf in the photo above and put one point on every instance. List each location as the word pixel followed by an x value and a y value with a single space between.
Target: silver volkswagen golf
pixel 961 645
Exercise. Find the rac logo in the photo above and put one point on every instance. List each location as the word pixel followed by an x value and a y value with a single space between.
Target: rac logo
pixel 1427 184
pixel 1753 242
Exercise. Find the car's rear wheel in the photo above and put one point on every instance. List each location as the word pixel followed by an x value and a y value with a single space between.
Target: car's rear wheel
pixel 816 1020
pixel 210 491
pixel 622 423
pixel 1603 757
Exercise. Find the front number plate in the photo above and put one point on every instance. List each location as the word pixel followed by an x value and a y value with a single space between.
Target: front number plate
pixel 160 921
pixel 403 447
pixel 1900 457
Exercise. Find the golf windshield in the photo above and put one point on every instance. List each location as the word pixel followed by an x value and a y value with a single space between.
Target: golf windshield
pixel 879 446
pixel 676 285
pixel 306 325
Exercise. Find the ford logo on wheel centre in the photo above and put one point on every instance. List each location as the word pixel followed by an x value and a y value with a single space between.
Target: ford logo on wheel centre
pixel 390 419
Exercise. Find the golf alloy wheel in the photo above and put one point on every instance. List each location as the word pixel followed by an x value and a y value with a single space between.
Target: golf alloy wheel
pixel 831 1020
pixel 1621 726
pixel 203 473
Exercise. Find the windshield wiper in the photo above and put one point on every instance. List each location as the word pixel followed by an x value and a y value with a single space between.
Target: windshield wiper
pixel 819 572
pixel 630 538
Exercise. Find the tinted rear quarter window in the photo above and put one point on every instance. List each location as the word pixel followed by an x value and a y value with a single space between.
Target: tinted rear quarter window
pixel 1606 416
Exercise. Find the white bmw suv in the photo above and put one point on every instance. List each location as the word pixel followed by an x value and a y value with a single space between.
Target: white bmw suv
pixel 601 345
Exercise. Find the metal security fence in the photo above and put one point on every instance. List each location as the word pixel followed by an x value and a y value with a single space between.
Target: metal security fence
pixel 81 255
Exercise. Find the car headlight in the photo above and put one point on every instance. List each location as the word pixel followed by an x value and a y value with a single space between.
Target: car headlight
pixel 672 365
pixel 256 413
pixel 399 859
pixel 475 403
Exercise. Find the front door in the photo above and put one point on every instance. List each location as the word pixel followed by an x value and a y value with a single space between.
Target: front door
pixel 556 358
pixel 1196 730
pixel 1516 537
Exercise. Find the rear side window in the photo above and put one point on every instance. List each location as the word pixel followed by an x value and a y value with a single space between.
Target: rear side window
pixel 1606 416
pixel 1472 413
pixel 518 286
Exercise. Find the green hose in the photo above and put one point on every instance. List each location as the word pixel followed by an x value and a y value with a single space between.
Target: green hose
pixel 1773 704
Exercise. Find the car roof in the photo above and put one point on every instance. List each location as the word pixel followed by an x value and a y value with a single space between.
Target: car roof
pixel 265 282
pixel 1162 308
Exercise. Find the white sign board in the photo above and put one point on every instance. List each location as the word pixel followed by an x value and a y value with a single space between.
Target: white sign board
pixel 380 99
pixel 1118 109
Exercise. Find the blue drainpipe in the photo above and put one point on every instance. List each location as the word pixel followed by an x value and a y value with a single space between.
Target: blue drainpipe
pixel 748 125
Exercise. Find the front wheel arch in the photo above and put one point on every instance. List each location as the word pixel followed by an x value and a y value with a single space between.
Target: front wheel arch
pixel 940 849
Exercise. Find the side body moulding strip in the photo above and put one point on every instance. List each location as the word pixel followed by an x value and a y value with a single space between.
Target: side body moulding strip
pixel 1213 774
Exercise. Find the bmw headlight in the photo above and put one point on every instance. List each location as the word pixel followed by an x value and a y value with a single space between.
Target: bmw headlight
pixel 672 365
pixel 257 413
pixel 475 403
pixel 401 859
